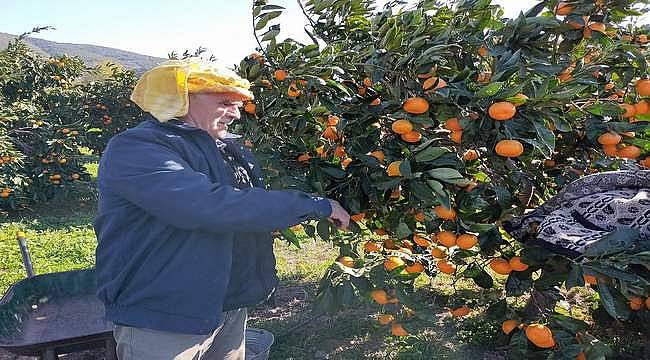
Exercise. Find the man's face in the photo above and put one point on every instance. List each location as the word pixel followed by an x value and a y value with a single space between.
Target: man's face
pixel 213 112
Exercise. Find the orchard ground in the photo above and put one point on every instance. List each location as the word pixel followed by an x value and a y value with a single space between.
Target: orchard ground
pixel 61 238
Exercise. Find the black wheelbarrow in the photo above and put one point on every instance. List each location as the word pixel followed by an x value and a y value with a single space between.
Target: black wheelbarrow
pixel 50 314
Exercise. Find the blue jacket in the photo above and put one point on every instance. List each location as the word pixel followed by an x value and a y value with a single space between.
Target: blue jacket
pixel 177 243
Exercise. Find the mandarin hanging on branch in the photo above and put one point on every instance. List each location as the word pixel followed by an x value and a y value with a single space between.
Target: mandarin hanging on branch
pixel 509 325
pixel 540 335
pixel 434 81
pixel 509 148
pixel 411 137
pixel 642 87
pixel 416 105
pixel 393 169
pixel 453 124
pixel 280 74
pixel 609 138
pixel 502 110
pixel 445 213
pixel 401 126
pixel 563 9
pixel 500 266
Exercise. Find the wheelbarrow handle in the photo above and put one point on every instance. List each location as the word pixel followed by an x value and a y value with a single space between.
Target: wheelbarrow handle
pixel 27 260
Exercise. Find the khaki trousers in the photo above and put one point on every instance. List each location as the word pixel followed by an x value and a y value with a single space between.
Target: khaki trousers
pixel 226 342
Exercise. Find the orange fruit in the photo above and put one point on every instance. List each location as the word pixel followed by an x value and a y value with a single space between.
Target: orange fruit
pixel 471 186
pixel 375 102
pixel 346 261
pixel 590 279
pixel 549 163
pixel 358 217
pixel 412 137
pixel 629 152
pixel 596 26
pixel 564 77
pixel 385 319
pixel 446 238
pixel 517 265
pixel 332 120
pixel 428 84
pixel 645 162
pixel 392 263
pixel 415 268
pixel 339 152
pixel 629 110
pixel 466 241
pixel 330 133
pixel 484 77
pixel 460 311
pixel 647 303
pixel 4 195
pixel 439 252
pixel 444 213
pixel 446 266
pixel 345 162
pixel 372 246
pixel 509 325
pixel 575 25
pixel 502 110
pixel 250 107
pixel 416 105
pixel 540 335
pixel 609 86
pixel 421 241
pixel 610 150
pixel 293 90
pixel 456 136
pixel 361 90
pixel 509 148
pixel 402 126
pixel 378 154
pixel 609 138
pixel 420 217
pixel 380 296
pixel 453 124
pixel 500 266
pixel 642 87
pixel 367 82
pixel 636 303
pixel 581 356
pixel 304 158
pixel 280 74
pixel 470 155
pixel 380 232
pixel 483 51
pixel 398 330
pixel 642 107
pixel 393 169
pixel 75 176
pixel 563 9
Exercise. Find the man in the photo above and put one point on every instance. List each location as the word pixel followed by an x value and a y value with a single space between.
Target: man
pixel 184 222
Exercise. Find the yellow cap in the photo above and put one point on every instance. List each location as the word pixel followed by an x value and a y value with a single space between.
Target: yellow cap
pixel 163 91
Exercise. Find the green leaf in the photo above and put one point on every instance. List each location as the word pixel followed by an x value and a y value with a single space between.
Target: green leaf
pixel 333 172
pixel 291 237
pixel 405 168
pixel 402 231
pixel 613 301
pixel 430 153
pixel 575 277
pixel 448 175
pixel 489 90
pixel 271 34
pixel 497 311
pixel 605 109
pixel 323 229
pixel 518 283
pixel 264 19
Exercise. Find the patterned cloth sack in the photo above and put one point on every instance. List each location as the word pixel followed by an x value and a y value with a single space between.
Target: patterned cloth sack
pixel 586 210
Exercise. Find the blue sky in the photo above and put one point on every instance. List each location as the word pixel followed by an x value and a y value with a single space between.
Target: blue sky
pixel 158 27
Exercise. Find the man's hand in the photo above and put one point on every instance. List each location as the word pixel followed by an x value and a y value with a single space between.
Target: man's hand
pixel 339 216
